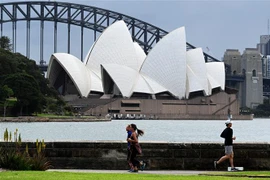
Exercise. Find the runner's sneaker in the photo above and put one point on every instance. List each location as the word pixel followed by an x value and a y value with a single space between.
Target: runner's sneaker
pixel 143 165
pixel 215 164
pixel 234 169
pixel 133 171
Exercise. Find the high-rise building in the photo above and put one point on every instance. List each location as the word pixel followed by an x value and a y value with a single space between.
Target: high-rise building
pixel 266 66
pixel 264 45
pixel 264 48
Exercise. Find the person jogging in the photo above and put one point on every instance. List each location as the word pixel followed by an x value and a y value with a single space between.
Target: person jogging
pixel 227 134
pixel 135 149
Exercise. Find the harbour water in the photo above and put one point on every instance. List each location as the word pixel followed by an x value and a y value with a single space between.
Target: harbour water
pixel 183 131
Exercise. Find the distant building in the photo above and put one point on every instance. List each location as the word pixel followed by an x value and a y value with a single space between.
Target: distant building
pixel 266 66
pixel 264 48
pixel 249 64
pixel 264 45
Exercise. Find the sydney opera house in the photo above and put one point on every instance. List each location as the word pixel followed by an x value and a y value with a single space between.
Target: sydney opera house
pixel 118 77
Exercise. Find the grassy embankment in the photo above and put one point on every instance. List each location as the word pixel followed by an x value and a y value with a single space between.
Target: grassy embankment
pixel 53 116
pixel 48 175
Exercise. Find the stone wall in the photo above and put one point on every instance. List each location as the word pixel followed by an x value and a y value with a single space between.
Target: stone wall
pixel 159 155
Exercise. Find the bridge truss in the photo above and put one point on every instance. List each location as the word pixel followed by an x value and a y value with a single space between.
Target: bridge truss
pixel 86 17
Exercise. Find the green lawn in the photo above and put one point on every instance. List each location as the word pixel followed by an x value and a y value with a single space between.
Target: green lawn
pixel 47 175
pixel 246 173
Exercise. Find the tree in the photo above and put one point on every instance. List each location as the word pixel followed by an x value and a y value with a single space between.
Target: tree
pixel 11 101
pixel 5 97
pixel 26 80
pixel 5 92
pixel 5 43
pixel 262 110
pixel 26 90
pixel 7 64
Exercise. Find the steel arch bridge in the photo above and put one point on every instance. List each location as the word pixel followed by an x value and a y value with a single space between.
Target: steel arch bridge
pixel 86 17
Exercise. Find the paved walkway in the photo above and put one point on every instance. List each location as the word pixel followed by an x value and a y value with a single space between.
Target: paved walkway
pixel 172 172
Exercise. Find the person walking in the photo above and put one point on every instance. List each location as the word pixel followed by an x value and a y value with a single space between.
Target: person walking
pixel 135 149
pixel 227 134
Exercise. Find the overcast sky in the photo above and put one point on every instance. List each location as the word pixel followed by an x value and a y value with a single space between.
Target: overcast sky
pixel 218 25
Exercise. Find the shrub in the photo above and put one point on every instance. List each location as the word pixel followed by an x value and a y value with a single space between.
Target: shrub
pixel 13 160
pixel 39 162
pixel 13 157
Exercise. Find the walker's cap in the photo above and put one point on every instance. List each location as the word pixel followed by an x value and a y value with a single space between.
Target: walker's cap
pixel 228 122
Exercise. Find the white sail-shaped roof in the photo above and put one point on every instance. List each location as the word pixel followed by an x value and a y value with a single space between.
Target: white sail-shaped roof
pixel 75 70
pixel 85 61
pixel 155 87
pixel 147 85
pixel 96 84
pixel 141 86
pixel 166 62
pixel 216 75
pixel 140 55
pixel 212 83
pixel 124 77
pixel 114 46
pixel 115 59
pixel 196 72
